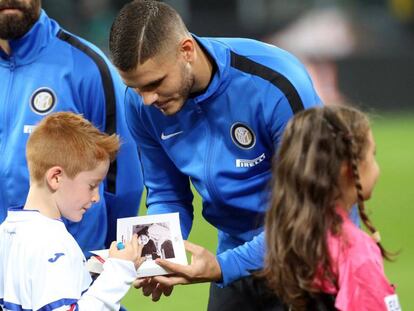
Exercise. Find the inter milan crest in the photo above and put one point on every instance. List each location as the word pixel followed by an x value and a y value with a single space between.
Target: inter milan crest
pixel 43 100
pixel 242 136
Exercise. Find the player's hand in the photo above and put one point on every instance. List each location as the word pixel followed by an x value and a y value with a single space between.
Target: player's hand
pixel 152 288
pixel 204 267
pixel 131 251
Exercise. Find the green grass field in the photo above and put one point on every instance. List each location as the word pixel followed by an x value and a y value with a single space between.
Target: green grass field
pixel 391 209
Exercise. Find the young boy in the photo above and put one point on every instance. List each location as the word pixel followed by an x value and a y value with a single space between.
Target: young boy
pixel 41 265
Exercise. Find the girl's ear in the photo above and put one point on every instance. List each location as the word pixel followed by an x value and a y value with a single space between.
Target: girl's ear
pixel 346 172
pixel 54 177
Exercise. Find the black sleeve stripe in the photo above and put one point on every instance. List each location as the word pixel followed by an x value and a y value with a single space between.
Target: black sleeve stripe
pixel 247 65
pixel 110 100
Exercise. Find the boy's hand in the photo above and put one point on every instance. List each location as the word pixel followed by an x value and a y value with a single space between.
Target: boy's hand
pixel 131 251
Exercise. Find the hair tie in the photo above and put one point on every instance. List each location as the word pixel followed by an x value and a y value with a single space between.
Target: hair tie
pixel 376 236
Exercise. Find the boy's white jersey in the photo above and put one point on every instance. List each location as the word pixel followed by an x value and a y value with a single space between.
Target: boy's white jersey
pixel 42 267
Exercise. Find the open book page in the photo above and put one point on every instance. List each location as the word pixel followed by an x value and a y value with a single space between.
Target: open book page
pixel 160 235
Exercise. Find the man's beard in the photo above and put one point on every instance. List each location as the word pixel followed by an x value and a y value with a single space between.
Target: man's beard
pixel 187 82
pixel 13 26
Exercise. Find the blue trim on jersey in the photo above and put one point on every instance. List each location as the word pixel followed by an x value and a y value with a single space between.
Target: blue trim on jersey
pixel 49 307
pixel 58 303
pixel 12 306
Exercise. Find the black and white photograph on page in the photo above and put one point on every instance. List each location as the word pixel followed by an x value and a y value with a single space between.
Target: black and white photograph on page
pixel 160 236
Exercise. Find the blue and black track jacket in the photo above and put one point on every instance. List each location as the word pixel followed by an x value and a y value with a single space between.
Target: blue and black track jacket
pixel 222 141
pixel 52 70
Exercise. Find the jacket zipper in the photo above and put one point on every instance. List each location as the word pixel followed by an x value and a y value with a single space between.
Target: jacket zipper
pixel 210 185
pixel 5 122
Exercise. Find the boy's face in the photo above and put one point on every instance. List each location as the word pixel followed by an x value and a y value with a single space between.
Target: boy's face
pixel 75 196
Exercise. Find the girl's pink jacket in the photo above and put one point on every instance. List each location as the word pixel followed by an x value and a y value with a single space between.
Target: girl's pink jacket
pixel 358 265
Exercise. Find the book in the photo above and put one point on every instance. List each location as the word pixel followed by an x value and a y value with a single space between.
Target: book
pixel 160 236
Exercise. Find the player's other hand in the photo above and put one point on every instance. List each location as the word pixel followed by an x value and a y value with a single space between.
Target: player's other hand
pixel 150 287
pixel 131 251
pixel 204 267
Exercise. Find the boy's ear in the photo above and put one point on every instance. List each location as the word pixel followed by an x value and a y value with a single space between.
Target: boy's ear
pixel 54 177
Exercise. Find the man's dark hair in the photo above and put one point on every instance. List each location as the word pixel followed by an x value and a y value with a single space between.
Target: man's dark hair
pixel 141 30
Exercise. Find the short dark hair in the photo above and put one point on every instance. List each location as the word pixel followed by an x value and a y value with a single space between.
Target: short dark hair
pixel 142 29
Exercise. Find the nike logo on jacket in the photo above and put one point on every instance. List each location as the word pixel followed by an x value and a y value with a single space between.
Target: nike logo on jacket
pixel 164 137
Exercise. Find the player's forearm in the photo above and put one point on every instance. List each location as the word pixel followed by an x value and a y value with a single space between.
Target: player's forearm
pixel 241 261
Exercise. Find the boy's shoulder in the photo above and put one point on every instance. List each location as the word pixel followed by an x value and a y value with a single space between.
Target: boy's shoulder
pixel 33 231
pixel 39 242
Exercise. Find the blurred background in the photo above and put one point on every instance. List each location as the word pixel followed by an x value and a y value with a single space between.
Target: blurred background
pixel 357 51
pixel 360 50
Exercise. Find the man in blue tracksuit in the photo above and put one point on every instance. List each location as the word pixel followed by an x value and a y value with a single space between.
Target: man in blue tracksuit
pixel 44 69
pixel 213 113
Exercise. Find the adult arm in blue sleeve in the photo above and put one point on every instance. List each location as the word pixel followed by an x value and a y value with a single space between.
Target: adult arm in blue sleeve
pixel 168 190
pixel 241 261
